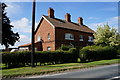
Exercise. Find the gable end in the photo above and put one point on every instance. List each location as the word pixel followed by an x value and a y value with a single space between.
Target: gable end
pixel 41 22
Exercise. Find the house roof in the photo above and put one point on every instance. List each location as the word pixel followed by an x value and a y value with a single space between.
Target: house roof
pixel 29 44
pixel 64 24
pixel 25 45
pixel 58 23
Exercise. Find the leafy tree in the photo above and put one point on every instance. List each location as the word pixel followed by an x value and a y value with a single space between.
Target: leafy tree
pixel 8 36
pixel 106 36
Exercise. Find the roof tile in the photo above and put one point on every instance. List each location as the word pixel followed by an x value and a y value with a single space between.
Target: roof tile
pixel 69 25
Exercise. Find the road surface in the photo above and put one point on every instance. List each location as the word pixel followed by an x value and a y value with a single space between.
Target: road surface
pixel 109 72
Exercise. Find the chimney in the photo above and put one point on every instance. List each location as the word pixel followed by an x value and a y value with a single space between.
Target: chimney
pixel 51 12
pixel 67 17
pixel 80 20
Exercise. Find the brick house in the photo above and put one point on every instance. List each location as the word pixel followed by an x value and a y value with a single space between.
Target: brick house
pixel 52 32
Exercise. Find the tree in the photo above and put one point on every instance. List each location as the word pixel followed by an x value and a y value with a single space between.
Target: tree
pixel 8 36
pixel 106 36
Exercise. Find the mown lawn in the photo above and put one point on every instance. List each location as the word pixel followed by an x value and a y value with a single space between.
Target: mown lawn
pixel 39 70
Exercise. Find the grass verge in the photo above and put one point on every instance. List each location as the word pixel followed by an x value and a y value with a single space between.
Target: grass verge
pixel 40 70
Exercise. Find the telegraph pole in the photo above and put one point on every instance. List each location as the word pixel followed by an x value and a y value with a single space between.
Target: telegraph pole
pixel 33 29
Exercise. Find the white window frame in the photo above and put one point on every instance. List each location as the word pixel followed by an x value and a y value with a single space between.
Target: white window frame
pixel 24 49
pixel 38 38
pixel 90 38
pixel 48 36
pixel 81 38
pixel 69 36
pixel 48 48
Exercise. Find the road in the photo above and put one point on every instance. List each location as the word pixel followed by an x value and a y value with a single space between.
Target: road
pixel 109 72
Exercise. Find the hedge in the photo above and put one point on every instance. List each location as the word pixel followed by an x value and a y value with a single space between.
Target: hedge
pixel 92 53
pixel 118 51
pixel 16 59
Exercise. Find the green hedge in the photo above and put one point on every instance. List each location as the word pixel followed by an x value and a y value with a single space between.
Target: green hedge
pixel 92 53
pixel 15 59
pixel 118 51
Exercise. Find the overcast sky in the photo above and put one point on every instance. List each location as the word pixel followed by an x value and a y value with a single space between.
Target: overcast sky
pixel 93 13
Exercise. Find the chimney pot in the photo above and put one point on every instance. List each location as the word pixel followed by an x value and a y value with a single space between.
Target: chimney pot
pixel 80 20
pixel 68 17
pixel 51 12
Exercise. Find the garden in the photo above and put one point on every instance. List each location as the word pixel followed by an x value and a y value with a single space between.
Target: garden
pixel 16 64
pixel 104 51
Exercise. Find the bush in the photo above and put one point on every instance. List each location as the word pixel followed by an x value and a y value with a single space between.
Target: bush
pixel 118 51
pixel 64 47
pixel 16 59
pixel 91 53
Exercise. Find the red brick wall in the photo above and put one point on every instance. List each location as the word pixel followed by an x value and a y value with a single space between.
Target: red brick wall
pixel 57 37
pixel 43 31
pixel 37 45
pixel 60 37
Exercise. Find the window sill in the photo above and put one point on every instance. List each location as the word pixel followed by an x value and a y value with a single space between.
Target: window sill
pixel 90 41
pixel 48 38
pixel 69 39
pixel 81 40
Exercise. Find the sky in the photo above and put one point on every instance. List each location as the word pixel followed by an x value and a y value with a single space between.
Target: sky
pixel 93 14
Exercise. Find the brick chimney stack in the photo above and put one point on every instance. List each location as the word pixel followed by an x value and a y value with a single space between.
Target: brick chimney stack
pixel 80 20
pixel 68 17
pixel 51 12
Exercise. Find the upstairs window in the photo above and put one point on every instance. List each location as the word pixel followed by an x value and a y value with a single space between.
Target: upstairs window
pixel 81 37
pixel 48 36
pixel 69 36
pixel 90 39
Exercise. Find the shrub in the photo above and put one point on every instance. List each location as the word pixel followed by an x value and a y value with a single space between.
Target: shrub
pixel 84 53
pixel 118 51
pixel 73 50
pixel 91 53
pixel 16 59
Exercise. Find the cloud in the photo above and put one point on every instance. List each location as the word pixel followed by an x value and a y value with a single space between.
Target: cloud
pixel 22 26
pixel 36 24
pixel 24 39
pixel 113 22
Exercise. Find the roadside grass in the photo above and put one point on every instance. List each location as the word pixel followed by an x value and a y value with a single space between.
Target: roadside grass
pixel 103 62
pixel 39 70
pixel 23 71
